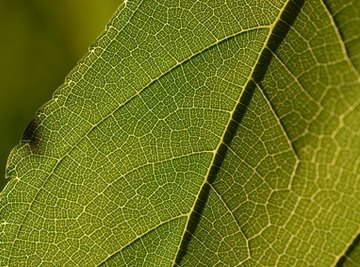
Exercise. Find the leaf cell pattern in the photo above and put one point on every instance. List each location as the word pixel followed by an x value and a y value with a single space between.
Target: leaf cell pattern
pixel 197 133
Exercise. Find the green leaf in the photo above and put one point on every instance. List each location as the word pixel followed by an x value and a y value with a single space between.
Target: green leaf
pixel 197 133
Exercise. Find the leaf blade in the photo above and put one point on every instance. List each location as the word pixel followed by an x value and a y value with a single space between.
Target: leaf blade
pixel 138 138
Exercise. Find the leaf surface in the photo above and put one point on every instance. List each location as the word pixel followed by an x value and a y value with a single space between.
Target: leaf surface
pixel 196 133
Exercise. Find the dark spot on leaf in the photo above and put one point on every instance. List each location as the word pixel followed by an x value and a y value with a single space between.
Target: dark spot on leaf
pixel 32 135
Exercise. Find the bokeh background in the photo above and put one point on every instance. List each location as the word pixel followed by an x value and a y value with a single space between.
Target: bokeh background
pixel 40 42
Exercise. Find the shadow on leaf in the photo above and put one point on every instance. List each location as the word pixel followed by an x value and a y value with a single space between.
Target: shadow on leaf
pixel 279 33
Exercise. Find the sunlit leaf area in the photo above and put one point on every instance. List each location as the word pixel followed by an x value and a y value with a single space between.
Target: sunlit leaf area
pixel 191 133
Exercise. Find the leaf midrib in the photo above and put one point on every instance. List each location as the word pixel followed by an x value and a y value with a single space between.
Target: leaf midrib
pixel 271 28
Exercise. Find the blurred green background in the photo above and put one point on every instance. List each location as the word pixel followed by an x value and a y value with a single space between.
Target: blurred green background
pixel 40 42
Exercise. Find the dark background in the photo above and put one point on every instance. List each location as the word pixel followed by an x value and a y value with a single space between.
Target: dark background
pixel 40 42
